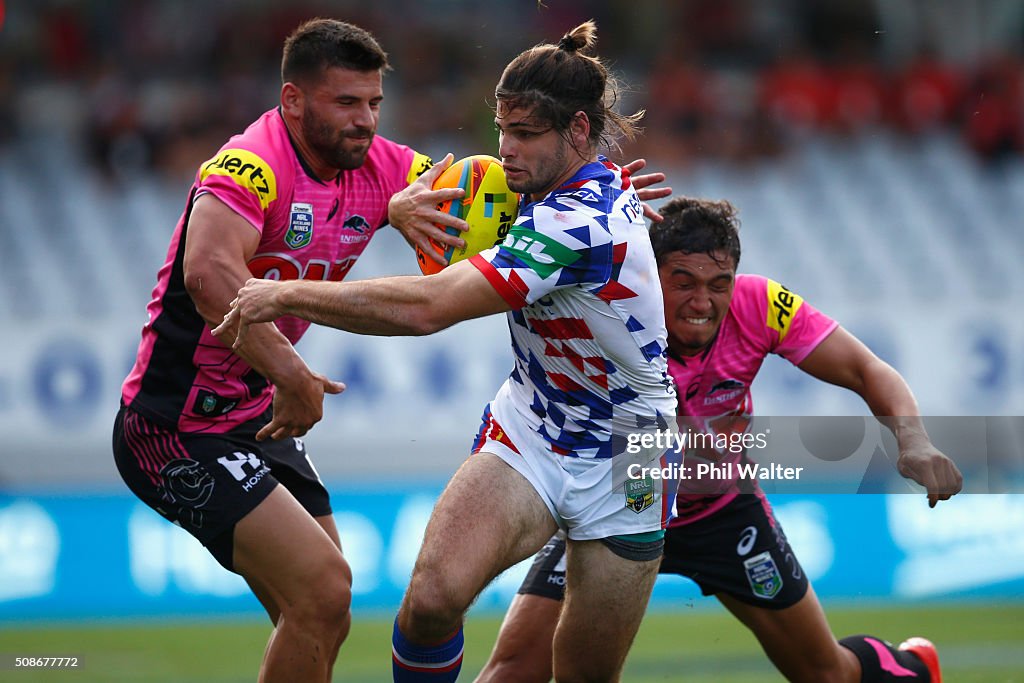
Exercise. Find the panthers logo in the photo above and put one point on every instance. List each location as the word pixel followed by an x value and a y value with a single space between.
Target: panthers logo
pixel 186 482
pixel 356 223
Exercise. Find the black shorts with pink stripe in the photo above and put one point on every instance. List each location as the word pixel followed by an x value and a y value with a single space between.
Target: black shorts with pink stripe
pixel 206 483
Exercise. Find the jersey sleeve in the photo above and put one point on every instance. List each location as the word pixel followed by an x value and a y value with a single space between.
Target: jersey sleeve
pixel 398 165
pixel 789 326
pixel 243 179
pixel 547 249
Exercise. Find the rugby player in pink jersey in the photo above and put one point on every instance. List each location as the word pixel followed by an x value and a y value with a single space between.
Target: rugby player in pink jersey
pixel 721 326
pixel 298 195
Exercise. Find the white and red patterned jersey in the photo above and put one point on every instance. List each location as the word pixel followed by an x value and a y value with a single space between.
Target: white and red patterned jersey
pixel 588 327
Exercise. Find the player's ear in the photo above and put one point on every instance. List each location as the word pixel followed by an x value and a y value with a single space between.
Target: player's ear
pixel 579 128
pixel 292 99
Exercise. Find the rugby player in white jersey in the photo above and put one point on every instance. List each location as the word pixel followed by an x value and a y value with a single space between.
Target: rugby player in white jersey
pixel 578 280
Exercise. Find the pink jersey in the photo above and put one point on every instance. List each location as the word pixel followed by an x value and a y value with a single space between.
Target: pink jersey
pixel 186 379
pixel 714 387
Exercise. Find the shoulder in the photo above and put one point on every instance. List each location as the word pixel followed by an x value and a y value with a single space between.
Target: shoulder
pixel 748 309
pixel 596 188
pixel 749 295
pixel 266 138
pixel 587 201
pixel 260 160
pixel 769 310
pixel 398 162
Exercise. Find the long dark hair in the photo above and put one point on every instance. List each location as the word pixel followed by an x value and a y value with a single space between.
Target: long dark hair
pixel 560 80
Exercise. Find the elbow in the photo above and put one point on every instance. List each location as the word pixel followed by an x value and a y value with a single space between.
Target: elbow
pixel 193 283
pixel 198 285
pixel 430 311
pixel 201 284
pixel 426 322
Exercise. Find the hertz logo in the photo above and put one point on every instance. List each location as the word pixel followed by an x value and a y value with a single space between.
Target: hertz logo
pixel 782 306
pixel 247 170
pixel 420 164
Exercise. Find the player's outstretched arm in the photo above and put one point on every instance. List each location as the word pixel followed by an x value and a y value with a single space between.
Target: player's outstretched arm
pixel 643 183
pixel 217 248
pixel 844 360
pixel 413 211
pixel 391 306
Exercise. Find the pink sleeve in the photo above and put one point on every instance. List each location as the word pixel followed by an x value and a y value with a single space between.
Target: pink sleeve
pixel 780 318
pixel 246 180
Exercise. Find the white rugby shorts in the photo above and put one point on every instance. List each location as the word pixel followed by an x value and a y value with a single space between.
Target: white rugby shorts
pixel 589 498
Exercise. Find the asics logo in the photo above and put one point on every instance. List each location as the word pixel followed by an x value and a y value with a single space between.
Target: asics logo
pixel 747 539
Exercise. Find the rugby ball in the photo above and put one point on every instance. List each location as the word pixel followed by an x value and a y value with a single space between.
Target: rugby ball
pixel 488 206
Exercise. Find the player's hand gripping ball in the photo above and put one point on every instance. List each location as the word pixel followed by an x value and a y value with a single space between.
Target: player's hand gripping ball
pixel 488 206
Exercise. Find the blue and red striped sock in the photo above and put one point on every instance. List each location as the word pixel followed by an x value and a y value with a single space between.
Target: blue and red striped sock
pixel 438 663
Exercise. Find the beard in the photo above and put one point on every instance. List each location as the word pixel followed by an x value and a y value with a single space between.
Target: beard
pixel 546 174
pixel 345 150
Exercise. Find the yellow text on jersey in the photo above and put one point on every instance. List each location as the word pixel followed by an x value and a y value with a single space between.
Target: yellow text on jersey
pixel 247 170
pixel 782 306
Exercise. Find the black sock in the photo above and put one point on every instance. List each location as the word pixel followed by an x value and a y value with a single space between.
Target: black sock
pixel 880 662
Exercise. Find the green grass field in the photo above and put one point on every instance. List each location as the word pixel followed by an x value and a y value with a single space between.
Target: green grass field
pixel 977 644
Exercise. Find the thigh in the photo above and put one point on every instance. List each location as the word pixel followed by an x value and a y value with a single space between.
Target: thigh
pixel 488 518
pixel 605 600
pixel 740 551
pixel 287 553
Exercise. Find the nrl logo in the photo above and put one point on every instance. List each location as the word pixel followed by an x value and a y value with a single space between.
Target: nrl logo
pixel 639 494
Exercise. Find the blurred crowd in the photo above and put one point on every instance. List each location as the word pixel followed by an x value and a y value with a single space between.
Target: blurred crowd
pixel 156 84
pixel 702 111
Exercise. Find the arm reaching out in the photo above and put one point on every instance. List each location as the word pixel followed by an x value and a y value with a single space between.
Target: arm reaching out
pixel 391 306
pixel 844 360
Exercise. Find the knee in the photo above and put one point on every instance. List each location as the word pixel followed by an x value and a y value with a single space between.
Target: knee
pixel 599 667
pixel 325 602
pixel 586 670
pixel 432 606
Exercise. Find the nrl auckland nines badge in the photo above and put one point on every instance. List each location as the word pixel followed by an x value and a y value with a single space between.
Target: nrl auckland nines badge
pixel 300 226
pixel 763 576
